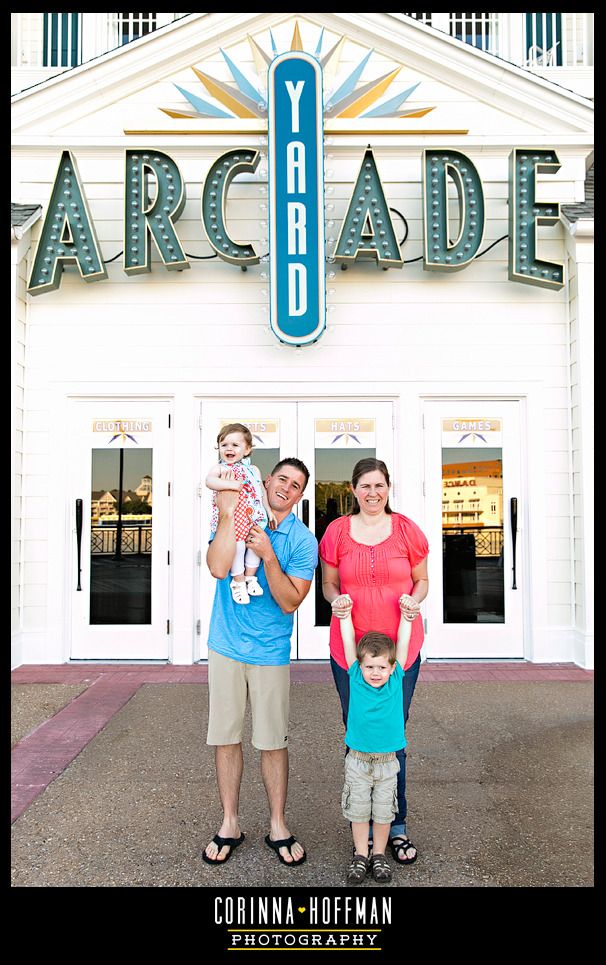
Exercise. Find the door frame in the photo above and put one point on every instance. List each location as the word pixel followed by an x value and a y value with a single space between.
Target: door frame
pixel 71 404
pixel 433 607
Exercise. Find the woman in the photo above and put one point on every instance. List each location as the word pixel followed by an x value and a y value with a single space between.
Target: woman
pixel 375 556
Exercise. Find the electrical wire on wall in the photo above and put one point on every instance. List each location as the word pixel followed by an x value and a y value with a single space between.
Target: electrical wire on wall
pixel 408 261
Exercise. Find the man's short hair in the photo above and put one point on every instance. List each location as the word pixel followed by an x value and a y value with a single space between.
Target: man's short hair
pixel 296 464
pixel 375 644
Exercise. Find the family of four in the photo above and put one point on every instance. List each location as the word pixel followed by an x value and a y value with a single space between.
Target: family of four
pixel 374 575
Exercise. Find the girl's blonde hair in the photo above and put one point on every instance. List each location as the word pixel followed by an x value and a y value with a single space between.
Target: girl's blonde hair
pixel 236 427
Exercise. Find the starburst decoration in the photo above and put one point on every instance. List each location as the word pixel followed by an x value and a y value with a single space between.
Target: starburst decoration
pixel 248 99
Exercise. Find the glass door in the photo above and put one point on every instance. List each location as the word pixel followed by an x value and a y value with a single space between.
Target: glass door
pixel 333 436
pixel 329 437
pixel 119 511
pixel 274 430
pixel 474 524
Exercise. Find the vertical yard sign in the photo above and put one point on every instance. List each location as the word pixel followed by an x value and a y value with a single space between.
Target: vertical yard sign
pixel 296 198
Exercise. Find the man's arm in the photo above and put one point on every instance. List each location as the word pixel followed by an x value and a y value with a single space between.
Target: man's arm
pixel 222 549
pixel 288 591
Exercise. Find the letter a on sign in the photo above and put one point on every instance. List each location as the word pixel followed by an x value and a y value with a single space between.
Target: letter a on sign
pixel 296 199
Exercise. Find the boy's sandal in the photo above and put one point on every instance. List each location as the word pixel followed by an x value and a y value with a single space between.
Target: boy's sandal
pixel 358 869
pixel 399 845
pixel 380 868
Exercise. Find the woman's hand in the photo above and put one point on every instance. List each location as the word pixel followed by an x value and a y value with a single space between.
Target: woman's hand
pixel 409 608
pixel 342 606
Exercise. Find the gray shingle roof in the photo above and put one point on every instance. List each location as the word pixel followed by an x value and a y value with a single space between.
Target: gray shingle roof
pixel 585 209
pixel 20 213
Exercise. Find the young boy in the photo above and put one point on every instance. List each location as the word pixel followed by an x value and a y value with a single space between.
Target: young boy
pixel 375 731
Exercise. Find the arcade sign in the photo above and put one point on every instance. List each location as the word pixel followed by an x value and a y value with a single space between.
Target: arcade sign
pixel 154 198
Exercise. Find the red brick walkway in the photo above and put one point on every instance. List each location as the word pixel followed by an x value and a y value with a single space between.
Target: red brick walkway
pixel 41 756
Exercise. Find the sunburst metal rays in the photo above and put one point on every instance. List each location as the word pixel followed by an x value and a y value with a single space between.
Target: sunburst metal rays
pixel 343 97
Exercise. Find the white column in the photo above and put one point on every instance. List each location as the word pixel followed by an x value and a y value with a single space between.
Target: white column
pixel 441 21
pixel 185 571
pixel 516 30
pixel 164 18
pixel 15 503
pixel 583 235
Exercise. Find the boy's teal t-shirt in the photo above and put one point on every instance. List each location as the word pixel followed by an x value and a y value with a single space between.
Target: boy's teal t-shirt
pixel 375 719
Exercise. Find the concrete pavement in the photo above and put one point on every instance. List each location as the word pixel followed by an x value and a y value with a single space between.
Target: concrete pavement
pixel 500 781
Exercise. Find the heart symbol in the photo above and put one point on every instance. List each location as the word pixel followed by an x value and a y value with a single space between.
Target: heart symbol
pixel 301 910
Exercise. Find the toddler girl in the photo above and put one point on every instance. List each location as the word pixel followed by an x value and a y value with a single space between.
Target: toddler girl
pixel 235 444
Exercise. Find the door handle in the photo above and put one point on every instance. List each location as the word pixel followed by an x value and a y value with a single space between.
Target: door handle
pixel 514 532
pixel 305 511
pixel 79 537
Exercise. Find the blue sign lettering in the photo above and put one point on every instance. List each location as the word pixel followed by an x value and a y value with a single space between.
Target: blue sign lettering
pixel 296 199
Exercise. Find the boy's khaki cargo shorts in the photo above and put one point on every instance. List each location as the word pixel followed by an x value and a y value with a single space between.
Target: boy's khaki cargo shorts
pixel 371 787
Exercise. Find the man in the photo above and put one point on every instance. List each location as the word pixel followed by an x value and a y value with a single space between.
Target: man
pixel 249 653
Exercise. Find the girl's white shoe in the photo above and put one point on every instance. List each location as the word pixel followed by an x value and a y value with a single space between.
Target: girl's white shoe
pixel 253 586
pixel 238 591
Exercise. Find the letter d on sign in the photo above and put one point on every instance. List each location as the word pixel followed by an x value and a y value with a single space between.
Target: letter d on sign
pixel 296 199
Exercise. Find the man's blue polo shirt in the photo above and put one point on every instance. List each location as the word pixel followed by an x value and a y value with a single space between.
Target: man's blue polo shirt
pixel 258 632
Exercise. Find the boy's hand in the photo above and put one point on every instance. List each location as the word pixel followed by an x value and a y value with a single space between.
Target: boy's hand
pixel 409 608
pixel 342 606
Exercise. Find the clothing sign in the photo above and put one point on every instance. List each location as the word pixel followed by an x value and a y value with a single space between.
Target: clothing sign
pixel 471 431
pixel 345 433
pixel 122 431
pixel 296 198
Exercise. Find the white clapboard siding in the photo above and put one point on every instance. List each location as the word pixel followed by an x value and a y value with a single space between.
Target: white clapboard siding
pixel 170 332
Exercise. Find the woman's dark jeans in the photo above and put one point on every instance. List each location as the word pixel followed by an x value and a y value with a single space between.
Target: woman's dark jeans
pixel 341 678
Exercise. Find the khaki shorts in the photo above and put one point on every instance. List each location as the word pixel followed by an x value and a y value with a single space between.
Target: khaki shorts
pixel 268 688
pixel 370 789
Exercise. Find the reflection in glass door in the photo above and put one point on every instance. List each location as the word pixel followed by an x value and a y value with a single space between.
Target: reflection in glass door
pixel 121 536
pixel 472 535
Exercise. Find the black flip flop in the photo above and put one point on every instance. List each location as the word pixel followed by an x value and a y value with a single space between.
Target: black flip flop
pixel 285 843
pixel 403 846
pixel 232 843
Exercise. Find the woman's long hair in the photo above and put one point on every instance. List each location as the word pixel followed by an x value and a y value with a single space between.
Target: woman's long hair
pixel 360 469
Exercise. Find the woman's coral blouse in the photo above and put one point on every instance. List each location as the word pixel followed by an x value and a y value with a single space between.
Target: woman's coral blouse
pixel 375 578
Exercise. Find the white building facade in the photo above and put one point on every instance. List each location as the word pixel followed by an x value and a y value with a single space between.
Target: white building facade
pixel 139 337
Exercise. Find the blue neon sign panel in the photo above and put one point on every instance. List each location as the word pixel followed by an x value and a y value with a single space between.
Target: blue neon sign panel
pixel 296 198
